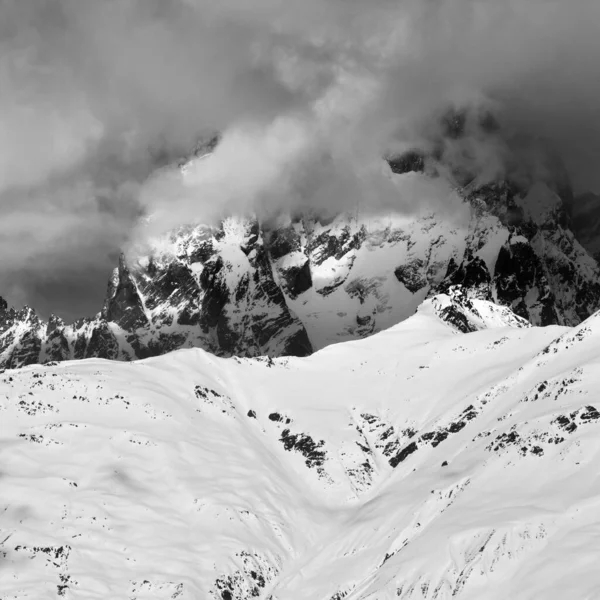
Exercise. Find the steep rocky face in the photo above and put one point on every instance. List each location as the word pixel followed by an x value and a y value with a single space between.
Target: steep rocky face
pixel 584 212
pixel 209 288
pixel 20 332
pixel 293 285
pixel 214 288
pixel 522 254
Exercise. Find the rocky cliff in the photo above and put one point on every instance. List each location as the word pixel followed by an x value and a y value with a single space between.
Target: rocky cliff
pixel 293 285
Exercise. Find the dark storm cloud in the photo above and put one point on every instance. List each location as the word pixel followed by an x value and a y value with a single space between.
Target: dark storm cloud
pixel 96 96
pixel 378 72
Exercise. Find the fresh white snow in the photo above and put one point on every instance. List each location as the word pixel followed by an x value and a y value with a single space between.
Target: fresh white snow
pixel 170 478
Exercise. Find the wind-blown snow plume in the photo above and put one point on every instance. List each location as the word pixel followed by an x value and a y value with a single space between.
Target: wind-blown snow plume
pixel 308 97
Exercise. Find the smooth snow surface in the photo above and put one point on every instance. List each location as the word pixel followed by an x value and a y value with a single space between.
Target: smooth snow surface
pixel 417 463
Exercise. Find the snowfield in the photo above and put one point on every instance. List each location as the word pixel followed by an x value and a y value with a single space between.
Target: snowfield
pixel 420 463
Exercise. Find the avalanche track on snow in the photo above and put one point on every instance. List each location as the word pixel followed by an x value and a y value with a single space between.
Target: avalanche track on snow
pixel 419 463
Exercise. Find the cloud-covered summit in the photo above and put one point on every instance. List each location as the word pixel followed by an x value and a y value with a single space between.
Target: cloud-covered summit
pixel 99 96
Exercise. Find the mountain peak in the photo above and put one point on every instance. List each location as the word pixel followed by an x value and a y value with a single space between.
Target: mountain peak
pixel 464 311
pixel 295 284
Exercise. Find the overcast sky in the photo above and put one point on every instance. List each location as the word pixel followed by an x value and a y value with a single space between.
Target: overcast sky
pixel 97 96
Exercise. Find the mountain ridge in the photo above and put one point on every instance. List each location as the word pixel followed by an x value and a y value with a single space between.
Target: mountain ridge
pixel 292 283
pixel 249 288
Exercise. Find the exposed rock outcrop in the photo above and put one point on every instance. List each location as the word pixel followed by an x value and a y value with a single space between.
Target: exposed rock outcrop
pixel 296 284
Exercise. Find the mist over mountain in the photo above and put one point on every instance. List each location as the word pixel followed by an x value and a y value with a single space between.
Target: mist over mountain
pixel 299 300
pixel 585 219
pixel 99 97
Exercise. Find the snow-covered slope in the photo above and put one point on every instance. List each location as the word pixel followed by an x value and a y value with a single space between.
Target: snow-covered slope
pixel 421 462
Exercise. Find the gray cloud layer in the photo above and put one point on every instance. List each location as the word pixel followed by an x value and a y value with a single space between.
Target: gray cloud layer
pixel 97 96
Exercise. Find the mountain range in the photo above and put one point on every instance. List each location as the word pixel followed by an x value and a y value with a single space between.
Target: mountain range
pixel 372 404
pixel 291 284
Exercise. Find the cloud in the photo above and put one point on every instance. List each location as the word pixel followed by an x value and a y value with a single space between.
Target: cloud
pixel 377 78
pixel 100 96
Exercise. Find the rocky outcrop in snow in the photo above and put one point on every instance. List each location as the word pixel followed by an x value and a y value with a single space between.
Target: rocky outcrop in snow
pixel 465 313
pixel 290 286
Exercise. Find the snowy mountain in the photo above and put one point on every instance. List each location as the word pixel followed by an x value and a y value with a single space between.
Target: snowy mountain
pixel 420 463
pixel 291 286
